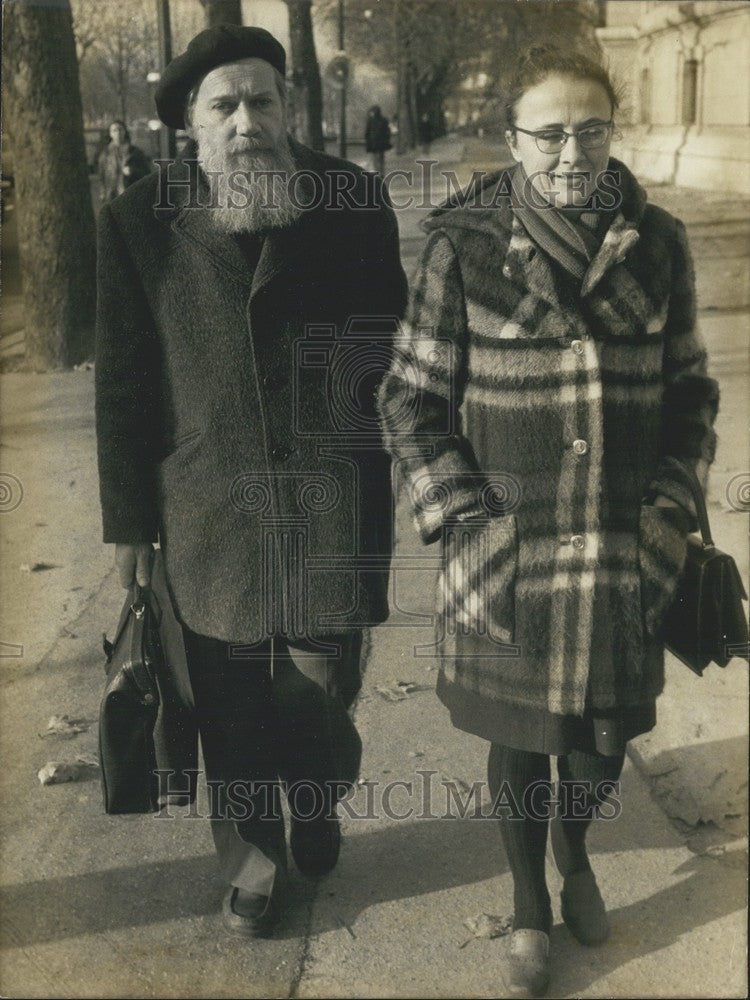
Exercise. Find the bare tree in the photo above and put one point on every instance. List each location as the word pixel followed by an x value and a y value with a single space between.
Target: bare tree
pixel 432 46
pixel 121 39
pixel 307 91
pixel 222 12
pixel 55 217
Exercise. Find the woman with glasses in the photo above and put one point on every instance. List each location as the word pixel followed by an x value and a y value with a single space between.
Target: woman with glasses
pixel 549 373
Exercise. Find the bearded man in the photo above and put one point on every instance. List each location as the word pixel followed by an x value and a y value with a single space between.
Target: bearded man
pixel 245 316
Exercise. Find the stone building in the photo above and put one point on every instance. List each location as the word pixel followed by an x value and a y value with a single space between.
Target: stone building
pixel 685 69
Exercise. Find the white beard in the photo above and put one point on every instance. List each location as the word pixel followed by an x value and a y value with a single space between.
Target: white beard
pixel 250 191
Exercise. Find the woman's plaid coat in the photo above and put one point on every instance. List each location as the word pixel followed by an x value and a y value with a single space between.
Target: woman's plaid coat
pixel 530 424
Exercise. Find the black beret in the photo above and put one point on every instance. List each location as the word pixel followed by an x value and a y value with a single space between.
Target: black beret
pixel 211 48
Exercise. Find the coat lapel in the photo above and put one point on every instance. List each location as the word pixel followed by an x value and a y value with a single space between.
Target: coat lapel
pixel 526 264
pixel 283 252
pixel 283 249
pixel 196 225
pixel 521 261
pixel 618 241
pixel 280 253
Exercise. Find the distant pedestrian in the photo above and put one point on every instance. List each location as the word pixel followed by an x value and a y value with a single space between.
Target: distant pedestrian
pixel 425 133
pixel 120 162
pixel 377 138
pixel 554 372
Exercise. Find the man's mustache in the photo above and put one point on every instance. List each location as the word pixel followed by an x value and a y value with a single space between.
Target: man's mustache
pixel 244 154
pixel 248 146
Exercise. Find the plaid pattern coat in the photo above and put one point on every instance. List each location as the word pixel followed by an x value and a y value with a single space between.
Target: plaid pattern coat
pixel 530 421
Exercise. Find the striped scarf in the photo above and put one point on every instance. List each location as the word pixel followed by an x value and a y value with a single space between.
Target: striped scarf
pixel 573 244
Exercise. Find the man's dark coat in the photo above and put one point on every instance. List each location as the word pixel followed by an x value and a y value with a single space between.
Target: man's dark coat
pixel 235 408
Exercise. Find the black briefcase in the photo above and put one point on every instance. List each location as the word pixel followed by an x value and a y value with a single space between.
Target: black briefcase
pixel 129 708
pixel 707 622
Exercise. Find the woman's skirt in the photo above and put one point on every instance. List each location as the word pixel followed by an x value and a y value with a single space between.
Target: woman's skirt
pixel 602 731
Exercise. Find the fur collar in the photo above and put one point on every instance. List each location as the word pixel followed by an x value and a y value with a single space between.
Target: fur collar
pixel 485 208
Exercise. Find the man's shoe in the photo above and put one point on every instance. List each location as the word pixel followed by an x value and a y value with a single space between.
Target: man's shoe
pixel 248 914
pixel 315 844
pixel 528 961
pixel 583 908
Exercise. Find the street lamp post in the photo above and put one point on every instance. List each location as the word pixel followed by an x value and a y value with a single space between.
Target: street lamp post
pixel 168 139
pixel 342 94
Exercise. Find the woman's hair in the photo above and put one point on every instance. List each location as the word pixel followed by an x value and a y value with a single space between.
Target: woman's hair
pixel 119 121
pixel 541 61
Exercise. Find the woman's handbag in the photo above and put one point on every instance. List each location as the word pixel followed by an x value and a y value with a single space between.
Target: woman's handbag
pixel 707 622
pixel 129 708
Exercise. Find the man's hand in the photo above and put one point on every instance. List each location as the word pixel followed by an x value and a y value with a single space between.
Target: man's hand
pixel 134 562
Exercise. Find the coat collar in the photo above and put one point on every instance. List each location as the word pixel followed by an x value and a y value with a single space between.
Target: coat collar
pixel 283 249
pixel 486 207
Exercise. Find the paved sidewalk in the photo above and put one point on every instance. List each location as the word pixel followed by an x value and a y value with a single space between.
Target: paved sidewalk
pixel 96 906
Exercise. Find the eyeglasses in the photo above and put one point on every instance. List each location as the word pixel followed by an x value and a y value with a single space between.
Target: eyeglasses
pixel 552 140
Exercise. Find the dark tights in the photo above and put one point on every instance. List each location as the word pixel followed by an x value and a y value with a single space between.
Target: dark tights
pixel 523 823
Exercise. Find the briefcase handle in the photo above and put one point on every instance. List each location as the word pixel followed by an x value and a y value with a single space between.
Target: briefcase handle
pixel 141 597
pixel 691 480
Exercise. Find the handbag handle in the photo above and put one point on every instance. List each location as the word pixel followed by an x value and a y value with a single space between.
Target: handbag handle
pixel 692 481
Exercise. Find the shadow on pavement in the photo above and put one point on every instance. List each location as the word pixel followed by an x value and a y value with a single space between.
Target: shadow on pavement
pixel 710 892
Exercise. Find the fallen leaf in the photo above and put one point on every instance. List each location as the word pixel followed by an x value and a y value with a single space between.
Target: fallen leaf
pixel 36 567
pixel 63 725
pixel 56 772
pixel 486 925
pixel 716 850
pixel 411 686
pixel 89 759
pixel 390 693
pixel 399 690
pixel 450 779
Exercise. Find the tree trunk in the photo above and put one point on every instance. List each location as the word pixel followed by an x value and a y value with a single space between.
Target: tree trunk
pixel 406 136
pixel 55 219
pixel 431 101
pixel 122 80
pixel 307 90
pixel 222 12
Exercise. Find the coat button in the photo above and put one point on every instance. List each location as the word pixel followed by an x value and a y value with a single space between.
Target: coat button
pixel 577 346
pixel 580 447
pixel 281 453
pixel 577 541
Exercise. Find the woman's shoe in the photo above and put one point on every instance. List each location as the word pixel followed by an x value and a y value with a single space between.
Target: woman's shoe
pixel 583 908
pixel 528 961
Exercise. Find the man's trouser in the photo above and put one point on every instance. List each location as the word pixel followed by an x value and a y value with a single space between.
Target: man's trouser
pixel 269 712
